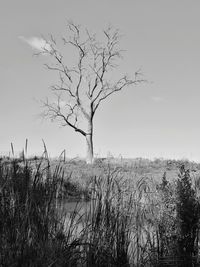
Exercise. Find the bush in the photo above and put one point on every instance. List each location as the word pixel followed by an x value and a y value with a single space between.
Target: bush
pixel 188 215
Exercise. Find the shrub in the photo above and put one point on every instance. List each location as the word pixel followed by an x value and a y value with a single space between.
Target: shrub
pixel 187 214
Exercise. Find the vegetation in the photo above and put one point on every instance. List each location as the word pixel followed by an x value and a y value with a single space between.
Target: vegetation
pixel 128 220
pixel 188 214
pixel 86 81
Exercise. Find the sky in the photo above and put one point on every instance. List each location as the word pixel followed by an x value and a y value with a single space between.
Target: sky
pixel 157 119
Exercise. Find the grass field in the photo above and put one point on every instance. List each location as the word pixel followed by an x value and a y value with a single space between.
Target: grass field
pixel 136 212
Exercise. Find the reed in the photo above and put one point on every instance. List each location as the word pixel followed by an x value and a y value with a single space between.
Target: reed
pixel 125 223
pixel 31 232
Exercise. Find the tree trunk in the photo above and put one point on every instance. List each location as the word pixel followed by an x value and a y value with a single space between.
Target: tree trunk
pixel 89 143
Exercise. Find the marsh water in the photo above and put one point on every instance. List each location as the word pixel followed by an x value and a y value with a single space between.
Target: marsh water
pixel 71 206
pixel 73 214
pixel 73 210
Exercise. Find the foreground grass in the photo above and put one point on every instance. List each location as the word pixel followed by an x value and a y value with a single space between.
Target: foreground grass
pixel 125 223
pixel 30 230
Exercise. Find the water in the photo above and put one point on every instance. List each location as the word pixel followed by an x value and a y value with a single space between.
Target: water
pixel 73 213
pixel 71 206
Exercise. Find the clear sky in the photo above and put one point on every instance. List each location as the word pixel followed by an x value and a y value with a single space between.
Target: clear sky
pixel 156 119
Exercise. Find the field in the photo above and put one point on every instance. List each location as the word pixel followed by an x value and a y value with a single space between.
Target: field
pixel 116 212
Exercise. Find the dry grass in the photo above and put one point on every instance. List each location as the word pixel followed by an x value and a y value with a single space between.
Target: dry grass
pixel 131 219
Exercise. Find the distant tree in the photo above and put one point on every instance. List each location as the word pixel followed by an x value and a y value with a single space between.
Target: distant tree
pixel 86 82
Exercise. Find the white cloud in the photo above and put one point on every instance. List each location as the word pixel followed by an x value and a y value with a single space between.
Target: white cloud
pixel 36 43
pixel 157 98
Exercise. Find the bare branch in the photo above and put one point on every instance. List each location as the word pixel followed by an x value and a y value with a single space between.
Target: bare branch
pixel 54 112
pixel 85 83
pixel 107 91
pixel 61 88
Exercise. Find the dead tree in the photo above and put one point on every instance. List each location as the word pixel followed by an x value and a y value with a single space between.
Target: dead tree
pixel 85 82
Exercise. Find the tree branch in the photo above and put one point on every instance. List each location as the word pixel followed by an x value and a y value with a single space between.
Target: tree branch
pixel 54 112
pixel 108 91
pixel 87 76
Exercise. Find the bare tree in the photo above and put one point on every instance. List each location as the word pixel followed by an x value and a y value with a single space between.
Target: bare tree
pixel 86 82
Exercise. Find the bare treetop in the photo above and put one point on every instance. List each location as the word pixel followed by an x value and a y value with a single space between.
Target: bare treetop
pixel 84 84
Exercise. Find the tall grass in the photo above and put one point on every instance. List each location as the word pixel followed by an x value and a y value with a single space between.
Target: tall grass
pixel 31 232
pixel 108 224
pixel 124 223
